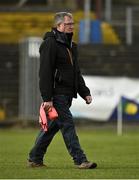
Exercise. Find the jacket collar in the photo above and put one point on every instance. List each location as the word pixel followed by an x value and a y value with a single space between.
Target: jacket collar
pixel 63 38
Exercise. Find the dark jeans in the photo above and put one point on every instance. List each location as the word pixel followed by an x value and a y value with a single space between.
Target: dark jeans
pixel 65 123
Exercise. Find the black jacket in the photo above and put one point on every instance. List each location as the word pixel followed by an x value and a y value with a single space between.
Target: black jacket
pixel 59 71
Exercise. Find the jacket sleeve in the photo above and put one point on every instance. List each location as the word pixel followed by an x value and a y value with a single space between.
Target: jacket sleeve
pixel 46 71
pixel 82 89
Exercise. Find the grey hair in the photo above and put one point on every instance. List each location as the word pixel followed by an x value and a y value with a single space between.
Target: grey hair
pixel 59 17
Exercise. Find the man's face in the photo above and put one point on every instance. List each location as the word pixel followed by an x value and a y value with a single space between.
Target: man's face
pixel 67 26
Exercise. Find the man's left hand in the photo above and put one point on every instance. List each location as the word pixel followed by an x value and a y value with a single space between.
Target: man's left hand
pixel 88 99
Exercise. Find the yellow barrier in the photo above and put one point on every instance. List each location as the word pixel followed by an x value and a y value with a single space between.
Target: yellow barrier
pixel 16 25
pixel 109 35
pixel 2 114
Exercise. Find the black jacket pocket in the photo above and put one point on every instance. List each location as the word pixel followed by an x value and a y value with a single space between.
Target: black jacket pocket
pixel 58 77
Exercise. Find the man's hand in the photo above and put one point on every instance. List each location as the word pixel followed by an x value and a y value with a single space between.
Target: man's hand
pixel 47 106
pixel 88 99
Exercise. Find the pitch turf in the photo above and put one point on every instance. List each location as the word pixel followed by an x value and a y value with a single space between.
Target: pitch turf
pixel 117 157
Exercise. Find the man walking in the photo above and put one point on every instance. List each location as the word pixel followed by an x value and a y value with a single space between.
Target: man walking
pixel 60 81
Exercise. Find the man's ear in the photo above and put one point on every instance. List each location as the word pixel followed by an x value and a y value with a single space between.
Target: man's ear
pixel 60 27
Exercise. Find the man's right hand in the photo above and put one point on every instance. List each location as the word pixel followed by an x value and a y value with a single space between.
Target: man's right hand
pixel 47 106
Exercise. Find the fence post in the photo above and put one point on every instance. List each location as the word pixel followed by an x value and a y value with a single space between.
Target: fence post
pixel 87 21
pixel 108 7
pixel 29 96
pixel 129 33
pixel 119 117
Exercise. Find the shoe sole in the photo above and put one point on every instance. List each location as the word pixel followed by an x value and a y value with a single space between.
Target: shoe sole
pixel 89 166
pixel 34 165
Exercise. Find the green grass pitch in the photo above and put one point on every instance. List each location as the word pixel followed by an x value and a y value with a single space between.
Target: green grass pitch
pixel 117 156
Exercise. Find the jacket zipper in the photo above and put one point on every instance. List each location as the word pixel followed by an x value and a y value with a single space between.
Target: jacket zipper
pixel 70 56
